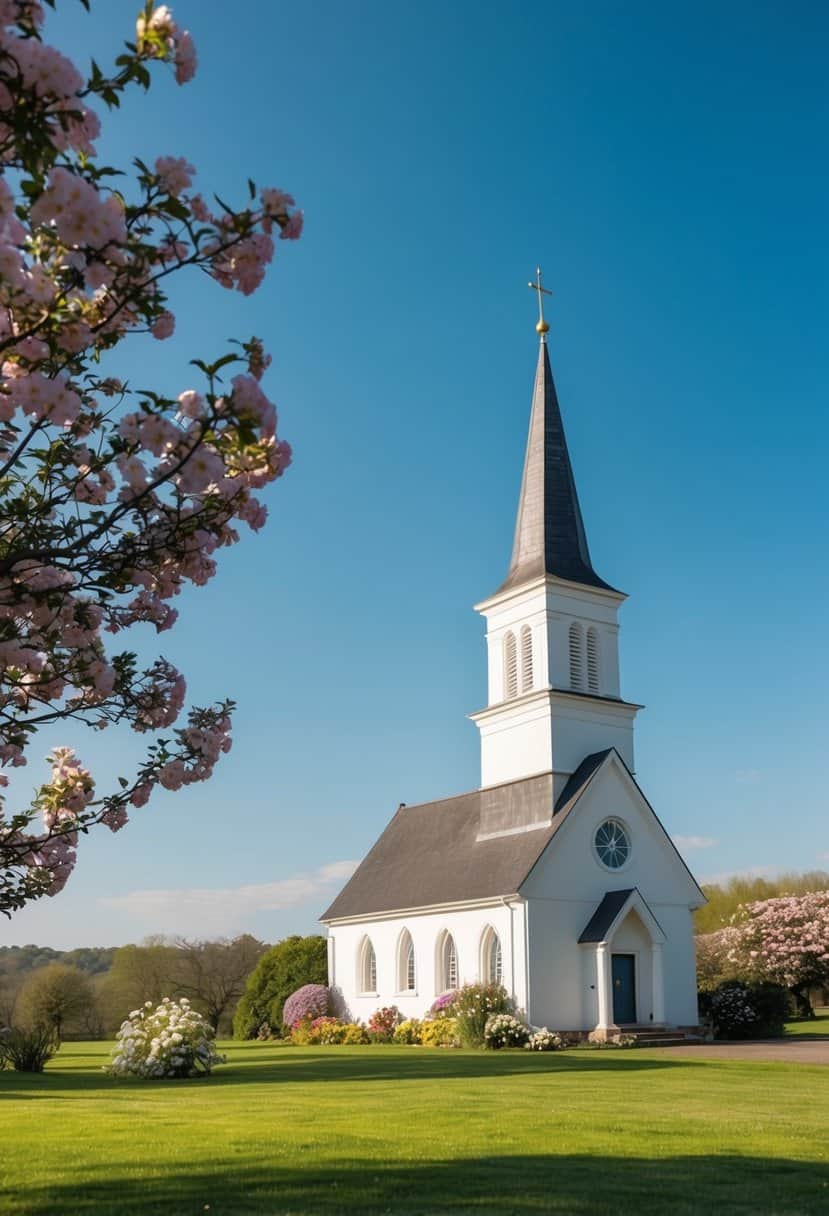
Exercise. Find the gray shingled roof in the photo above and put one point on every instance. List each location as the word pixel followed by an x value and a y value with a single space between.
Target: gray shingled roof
pixel 436 853
pixel 549 530
pixel 604 916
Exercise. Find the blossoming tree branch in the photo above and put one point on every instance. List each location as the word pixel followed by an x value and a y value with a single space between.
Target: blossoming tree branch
pixel 112 497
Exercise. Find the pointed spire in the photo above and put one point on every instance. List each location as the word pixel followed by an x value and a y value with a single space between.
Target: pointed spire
pixel 549 531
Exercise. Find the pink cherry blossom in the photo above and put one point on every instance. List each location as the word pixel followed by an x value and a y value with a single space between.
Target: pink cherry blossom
pixel 163 327
pixel 175 173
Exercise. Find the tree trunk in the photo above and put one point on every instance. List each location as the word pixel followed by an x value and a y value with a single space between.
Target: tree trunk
pixel 803 1006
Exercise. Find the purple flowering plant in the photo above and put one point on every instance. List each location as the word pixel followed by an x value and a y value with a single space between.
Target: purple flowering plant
pixel 309 1001
pixel 443 1004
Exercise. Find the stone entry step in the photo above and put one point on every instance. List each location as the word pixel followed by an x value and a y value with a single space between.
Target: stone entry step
pixel 650 1036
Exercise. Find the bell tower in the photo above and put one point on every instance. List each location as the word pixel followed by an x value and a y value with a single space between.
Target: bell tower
pixel 552 634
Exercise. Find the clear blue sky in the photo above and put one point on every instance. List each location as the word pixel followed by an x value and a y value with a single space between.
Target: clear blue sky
pixel 667 167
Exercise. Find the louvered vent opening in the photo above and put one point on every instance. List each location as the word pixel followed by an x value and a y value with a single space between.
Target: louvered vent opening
pixel 576 664
pixel 526 658
pixel 592 660
pixel 510 667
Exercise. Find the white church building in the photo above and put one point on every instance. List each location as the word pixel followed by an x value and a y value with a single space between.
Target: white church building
pixel 555 877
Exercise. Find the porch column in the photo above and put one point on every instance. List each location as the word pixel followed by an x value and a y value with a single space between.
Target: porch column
pixel 658 983
pixel 604 987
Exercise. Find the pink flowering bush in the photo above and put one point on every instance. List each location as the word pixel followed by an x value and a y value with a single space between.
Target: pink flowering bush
pixel 785 940
pixel 308 1002
pixel 382 1023
pixel 114 498
pixel 713 951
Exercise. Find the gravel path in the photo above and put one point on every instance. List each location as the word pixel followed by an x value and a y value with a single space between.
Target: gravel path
pixel 790 1051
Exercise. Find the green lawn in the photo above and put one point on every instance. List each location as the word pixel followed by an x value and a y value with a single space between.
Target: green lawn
pixel 817 1027
pixel 411 1130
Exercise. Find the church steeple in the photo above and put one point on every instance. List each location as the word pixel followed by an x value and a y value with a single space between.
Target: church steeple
pixel 552 632
pixel 549 530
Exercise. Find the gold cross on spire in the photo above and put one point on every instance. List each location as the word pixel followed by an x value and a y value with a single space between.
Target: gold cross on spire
pixel 542 327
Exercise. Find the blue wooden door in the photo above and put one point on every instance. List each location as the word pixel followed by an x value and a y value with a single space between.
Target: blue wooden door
pixel 624 988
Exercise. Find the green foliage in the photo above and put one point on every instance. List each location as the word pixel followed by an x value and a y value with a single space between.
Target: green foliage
pixel 283 969
pixel 724 899
pixel 439 1032
pixel 408 1032
pixel 320 1032
pixel 59 1000
pixel 354 1033
pixel 473 1005
pixel 138 974
pixel 738 1010
pixel 27 1049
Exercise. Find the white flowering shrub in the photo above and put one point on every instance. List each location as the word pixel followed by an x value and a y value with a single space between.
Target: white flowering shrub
pixel 733 1013
pixel 170 1040
pixel 544 1040
pixel 505 1030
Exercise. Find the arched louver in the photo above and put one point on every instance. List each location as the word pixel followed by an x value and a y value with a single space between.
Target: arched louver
pixel 576 663
pixel 510 667
pixel 592 659
pixel 526 658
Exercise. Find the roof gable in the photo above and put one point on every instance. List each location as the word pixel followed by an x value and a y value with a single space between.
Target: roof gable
pixel 591 775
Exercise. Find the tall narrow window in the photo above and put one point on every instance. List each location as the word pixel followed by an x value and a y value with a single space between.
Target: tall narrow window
pixel 593 659
pixel 510 667
pixel 492 969
pixel 526 658
pixel 368 967
pixel 447 964
pixel 576 663
pixel 406 974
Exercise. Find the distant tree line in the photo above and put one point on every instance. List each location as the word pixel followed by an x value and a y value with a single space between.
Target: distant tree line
pixel 725 898
pixel 87 993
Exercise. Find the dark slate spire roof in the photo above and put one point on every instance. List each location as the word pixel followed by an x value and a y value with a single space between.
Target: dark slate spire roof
pixel 549 531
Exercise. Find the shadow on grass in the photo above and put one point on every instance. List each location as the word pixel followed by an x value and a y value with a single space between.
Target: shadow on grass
pixel 496 1184
pixel 258 1065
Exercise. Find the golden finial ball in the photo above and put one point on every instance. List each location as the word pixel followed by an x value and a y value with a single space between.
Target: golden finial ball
pixel 542 328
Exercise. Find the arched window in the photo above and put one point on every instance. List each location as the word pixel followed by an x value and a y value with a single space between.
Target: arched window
pixel 367 966
pixel 406 974
pixel 492 967
pixel 447 977
pixel 576 663
pixel 510 667
pixel 526 658
pixel 592 659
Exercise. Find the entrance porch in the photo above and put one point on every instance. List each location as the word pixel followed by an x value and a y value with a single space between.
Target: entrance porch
pixel 625 941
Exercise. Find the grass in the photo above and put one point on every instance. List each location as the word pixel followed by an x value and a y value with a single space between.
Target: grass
pixel 815 1028
pixel 330 1131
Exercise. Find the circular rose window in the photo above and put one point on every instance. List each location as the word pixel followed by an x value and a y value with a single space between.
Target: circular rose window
pixel 612 844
